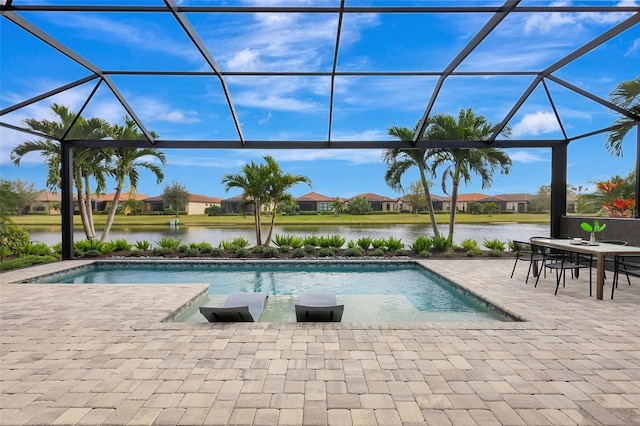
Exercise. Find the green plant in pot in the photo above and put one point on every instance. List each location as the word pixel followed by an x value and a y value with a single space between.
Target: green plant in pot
pixel 592 229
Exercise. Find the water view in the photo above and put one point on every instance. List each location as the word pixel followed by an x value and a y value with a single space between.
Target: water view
pixel 214 235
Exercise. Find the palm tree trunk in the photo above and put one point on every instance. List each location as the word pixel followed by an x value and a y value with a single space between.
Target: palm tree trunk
pixel 258 225
pixel 273 222
pixel 112 214
pixel 454 205
pixel 83 213
pixel 89 207
pixel 427 194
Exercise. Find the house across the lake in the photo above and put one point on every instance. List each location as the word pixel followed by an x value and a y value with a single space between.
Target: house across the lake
pixel 48 203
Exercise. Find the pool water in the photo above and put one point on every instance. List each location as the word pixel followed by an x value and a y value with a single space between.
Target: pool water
pixel 371 292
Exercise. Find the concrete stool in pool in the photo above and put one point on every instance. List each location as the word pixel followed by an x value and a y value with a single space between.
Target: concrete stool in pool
pixel 239 307
pixel 318 307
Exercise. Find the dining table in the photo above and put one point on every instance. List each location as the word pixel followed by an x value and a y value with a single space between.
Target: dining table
pixel 600 250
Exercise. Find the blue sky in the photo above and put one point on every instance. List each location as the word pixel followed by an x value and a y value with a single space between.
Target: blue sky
pixel 296 108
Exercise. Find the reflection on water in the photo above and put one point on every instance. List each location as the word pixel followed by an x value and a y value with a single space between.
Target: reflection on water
pixel 408 233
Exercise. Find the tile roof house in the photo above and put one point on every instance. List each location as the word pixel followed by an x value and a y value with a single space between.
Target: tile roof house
pixel 315 202
pixel 378 202
pixel 463 201
pixel 197 203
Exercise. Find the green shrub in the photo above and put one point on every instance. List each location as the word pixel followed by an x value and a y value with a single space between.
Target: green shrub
pixel 92 253
pixel 441 243
pixel 38 249
pixel 14 238
pixel 142 245
pixel 311 240
pixel 24 261
pixel 326 252
pixel 257 249
pixel 394 244
pixel 354 251
pixel 494 244
pixel 470 244
pixel 449 253
pixel 242 252
pixel 120 245
pixel 168 243
pixel 299 252
pixel 334 241
pixel 217 252
pixel 364 243
pixel 425 253
pixel 240 242
pixel 474 252
pixel 269 252
pixel 87 245
pixel 379 243
pixel 203 247
pixel 164 251
pixel 57 248
pixel 377 252
pixel 285 249
pixel 183 248
pixel 496 253
pixel 283 240
pixel 421 244
pixel 192 252
pixel 309 249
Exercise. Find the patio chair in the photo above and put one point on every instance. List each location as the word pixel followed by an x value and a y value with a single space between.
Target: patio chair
pixel 238 307
pixel 318 307
pixel 527 252
pixel 563 260
pixel 628 265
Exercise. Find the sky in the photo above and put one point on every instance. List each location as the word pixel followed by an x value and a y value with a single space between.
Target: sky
pixel 276 108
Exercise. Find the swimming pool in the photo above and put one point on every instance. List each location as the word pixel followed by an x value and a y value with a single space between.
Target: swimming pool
pixel 371 292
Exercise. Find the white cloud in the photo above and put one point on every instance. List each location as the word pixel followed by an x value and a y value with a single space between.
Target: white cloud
pixel 548 22
pixel 635 47
pixel 527 156
pixel 537 123
pixel 350 156
pixel 143 34
pixel 273 102
pixel 153 109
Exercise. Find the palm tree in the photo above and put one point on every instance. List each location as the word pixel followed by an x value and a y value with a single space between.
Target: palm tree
pixel 460 163
pixel 400 160
pixel 626 95
pixel 253 180
pixel 278 186
pixel 88 162
pixel 127 162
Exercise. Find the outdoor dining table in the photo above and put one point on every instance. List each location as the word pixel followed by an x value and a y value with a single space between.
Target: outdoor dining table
pixel 600 251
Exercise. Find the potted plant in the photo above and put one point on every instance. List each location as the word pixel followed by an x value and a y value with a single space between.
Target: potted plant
pixel 592 229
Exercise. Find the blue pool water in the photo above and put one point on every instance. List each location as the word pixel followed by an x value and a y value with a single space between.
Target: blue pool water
pixel 376 291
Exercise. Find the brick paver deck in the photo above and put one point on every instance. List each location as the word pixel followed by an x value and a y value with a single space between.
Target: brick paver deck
pixel 99 354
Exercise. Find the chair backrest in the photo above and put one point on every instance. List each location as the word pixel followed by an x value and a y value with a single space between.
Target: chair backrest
pixel 319 313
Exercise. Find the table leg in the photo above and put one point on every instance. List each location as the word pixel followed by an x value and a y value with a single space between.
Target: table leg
pixel 600 276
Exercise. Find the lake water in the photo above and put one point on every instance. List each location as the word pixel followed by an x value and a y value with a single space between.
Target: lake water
pixel 214 235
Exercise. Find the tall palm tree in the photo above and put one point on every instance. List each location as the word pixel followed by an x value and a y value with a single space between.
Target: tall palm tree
pixel 126 165
pixel 88 162
pixel 253 180
pixel 279 184
pixel 400 160
pixel 626 95
pixel 460 163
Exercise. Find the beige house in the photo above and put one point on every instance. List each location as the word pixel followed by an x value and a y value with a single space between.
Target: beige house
pixel 199 203
pixel 45 202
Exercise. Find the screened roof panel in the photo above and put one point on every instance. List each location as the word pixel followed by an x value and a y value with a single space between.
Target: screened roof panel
pixel 269 41
pixel 123 41
pixel 229 73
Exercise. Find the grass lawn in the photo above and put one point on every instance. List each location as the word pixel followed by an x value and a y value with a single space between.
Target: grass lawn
pixel 235 221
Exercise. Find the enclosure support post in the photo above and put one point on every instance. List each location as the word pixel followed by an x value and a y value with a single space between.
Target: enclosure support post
pixel 637 214
pixel 66 174
pixel 558 187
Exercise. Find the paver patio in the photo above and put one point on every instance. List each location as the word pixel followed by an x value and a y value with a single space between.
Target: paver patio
pixel 95 354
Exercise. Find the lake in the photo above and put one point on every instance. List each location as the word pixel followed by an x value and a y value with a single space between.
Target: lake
pixel 214 235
